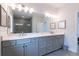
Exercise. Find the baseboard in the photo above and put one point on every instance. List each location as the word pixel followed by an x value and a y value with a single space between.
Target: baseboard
pixel 72 50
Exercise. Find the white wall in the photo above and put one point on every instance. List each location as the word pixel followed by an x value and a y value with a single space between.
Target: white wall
pixel 69 14
pixel 56 21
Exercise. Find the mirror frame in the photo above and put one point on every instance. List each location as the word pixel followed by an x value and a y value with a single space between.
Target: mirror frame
pixel 62 24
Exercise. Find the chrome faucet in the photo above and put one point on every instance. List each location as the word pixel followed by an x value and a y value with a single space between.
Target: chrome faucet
pixel 21 34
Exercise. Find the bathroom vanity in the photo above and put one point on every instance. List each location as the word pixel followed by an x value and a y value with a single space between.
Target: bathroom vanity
pixel 32 45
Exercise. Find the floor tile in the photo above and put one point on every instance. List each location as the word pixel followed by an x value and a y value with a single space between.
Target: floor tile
pixel 62 52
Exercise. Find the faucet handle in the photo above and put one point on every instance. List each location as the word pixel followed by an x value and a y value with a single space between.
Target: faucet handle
pixel 22 33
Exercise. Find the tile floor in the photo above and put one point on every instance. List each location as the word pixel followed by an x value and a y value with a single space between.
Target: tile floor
pixel 62 52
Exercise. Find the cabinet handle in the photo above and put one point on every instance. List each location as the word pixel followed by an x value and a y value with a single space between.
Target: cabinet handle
pixel 24 45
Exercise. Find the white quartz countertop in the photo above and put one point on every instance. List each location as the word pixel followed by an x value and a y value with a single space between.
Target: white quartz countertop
pixel 28 35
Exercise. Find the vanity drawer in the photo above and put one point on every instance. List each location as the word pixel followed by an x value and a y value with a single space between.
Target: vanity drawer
pixel 8 43
pixel 59 36
pixel 23 41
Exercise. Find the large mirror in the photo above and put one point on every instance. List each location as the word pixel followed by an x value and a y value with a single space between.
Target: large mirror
pixel 29 22
pixel 23 18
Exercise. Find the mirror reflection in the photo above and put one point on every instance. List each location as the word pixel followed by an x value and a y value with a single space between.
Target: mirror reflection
pixel 29 21
pixel 21 18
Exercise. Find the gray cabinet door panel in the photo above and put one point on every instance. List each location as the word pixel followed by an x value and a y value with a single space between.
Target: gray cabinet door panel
pixel 42 51
pixel 19 50
pixel 23 41
pixel 50 44
pixel 8 43
pixel 42 42
pixel 49 49
pixel 32 48
pixel 49 41
pixel 42 45
pixel 12 51
pixel 9 51
pixel 59 41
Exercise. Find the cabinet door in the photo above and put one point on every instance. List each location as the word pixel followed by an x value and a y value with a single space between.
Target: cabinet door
pixel 49 47
pixel 19 50
pixel 8 48
pixel 32 48
pixel 9 51
pixel 42 46
pixel 42 42
pixel 59 40
pixel 42 51
pixel 12 51
pixel 22 46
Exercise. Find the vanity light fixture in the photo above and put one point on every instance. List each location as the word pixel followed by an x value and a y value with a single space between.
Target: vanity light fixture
pixel 26 9
pixel 48 14
pixel 19 7
pixel 31 10
pixel 13 6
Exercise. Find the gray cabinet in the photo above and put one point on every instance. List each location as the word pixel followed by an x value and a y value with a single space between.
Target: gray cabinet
pixel 50 43
pixel 42 51
pixel 9 48
pixel 12 51
pixel 42 45
pixel 32 48
pixel 22 46
pixel 19 50
pixel 42 42
pixel 59 41
pixel 9 51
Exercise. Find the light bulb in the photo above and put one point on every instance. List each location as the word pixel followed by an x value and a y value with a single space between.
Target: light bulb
pixel 26 9
pixel 48 14
pixel 31 10
pixel 19 7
